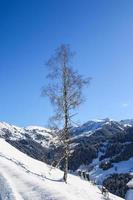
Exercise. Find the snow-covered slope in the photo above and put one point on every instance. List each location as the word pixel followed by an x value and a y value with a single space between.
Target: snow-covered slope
pixel 7 130
pixel 121 167
pixel 129 195
pixel 24 178
pixel 39 134
pixel 105 149
pixel 93 144
pixel 95 125
pixel 127 122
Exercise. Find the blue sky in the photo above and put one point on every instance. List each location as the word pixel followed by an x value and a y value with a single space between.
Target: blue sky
pixel 101 33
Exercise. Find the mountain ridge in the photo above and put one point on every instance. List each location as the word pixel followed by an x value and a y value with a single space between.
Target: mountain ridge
pixel 97 146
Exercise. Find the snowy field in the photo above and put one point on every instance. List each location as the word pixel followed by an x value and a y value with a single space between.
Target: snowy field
pixel 24 178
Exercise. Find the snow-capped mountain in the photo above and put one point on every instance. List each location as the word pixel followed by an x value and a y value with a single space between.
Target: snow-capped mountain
pixel 32 140
pixel 104 148
pixel 94 125
pixel 39 134
pixel 127 122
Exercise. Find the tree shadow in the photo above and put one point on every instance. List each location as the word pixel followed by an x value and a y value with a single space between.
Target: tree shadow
pixel 55 180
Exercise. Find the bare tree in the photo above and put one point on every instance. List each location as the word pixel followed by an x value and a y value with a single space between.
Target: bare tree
pixel 65 93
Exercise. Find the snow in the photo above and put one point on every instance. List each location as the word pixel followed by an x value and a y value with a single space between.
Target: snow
pixel 22 177
pixel 129 194
pixel 11 129
pixel 39 128
pixel 98 175
pixel 127 122
pixel 130 184
pixel 94 125
pixel 122 167
pixel 6 191
pixel 84 134
pixel 39 134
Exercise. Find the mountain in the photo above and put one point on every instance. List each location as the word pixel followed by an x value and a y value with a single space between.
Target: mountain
pixel 22 177
pixel 105 149
pixel 36 133
pixel 32 140
pixel 102 148
pixel 93 125
pixel 127 122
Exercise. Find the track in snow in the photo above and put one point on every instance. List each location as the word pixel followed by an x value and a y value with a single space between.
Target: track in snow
pixel 27 186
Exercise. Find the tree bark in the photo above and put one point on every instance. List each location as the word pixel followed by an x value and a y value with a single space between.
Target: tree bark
pixel 66 150
pixel 66 166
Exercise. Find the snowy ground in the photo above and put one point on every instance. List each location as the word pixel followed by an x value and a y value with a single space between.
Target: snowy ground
pixel 122 167
pixel 129 195
pixel 99 174
pixel 24 178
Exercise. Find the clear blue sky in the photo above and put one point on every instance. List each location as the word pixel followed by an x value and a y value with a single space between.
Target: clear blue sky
pixel 100 31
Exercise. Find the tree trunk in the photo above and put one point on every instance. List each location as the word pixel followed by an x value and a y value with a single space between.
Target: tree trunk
pixel 66 150
pixel 66 165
